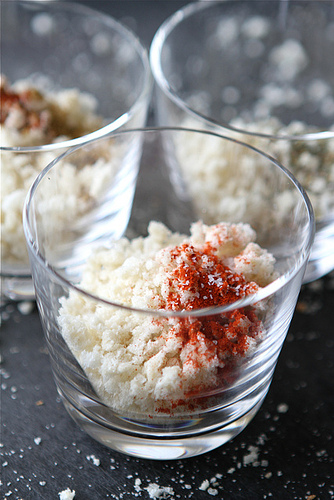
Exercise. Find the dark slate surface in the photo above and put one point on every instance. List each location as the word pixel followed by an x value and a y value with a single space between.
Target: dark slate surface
pixel 286 452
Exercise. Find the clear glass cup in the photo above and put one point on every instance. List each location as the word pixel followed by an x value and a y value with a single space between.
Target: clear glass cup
pixel 251 70
pixel 87 63
pixel 139 371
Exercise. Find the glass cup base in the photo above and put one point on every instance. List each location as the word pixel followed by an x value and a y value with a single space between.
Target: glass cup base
pixel 17 288
pixel 317 269
pixel 321 260
pixel 161 449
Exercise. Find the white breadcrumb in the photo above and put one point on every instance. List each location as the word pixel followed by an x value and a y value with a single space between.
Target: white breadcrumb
pixel 93 459
pixel 66 494
pixel 289 59
pixel 156 491
pixel 25 307
pixel 205 485
pixel 252 457
pixel 282 408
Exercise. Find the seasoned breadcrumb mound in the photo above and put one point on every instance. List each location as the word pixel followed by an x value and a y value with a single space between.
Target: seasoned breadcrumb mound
pixel 139 362
pixel 32 118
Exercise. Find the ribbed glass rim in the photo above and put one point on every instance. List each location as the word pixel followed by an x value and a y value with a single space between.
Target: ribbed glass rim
pixel 119 27
pixel 155 51
pixel 263 293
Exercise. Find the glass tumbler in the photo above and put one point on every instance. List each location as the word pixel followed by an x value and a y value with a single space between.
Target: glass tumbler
pixel 252 71
pixel 69 74
pixel 163 342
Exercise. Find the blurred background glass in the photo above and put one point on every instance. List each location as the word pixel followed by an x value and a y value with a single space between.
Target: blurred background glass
pixel 88 72
pixel 253 71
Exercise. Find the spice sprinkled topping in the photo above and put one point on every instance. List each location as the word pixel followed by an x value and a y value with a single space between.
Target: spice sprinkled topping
pixel 167 364
pixel 201 280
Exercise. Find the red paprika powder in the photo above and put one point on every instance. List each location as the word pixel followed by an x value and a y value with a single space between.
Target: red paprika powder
pixel 199 280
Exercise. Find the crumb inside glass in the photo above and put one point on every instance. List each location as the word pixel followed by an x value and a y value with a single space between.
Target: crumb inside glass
pixel 164 365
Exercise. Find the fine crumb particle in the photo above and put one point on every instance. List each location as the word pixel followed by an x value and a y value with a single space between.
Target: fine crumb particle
pixel 37 440
pixel 205 485
pixel 282 408
pixel 66 494
pixel 252 457
pixel 156 491
pixel 93 459
pixel 25 308
pixel 137 484
pixel 212 491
